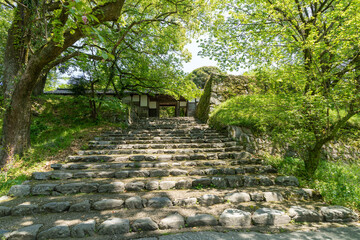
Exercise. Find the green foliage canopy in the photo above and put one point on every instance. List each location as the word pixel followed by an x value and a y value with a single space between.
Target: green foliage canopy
pixel 307 49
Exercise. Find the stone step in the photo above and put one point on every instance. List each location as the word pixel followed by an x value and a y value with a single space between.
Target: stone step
pixel 149 164
pixel 160 151
pixel 197 176
pixel 120 225
pixel 169 126
pixel 156 157
pixel 105 141
pixel 162 146
pixel 72 186
pixel 151 172
pixel 161 134
pixel 130 131
pixel 159 138
pixel 181 198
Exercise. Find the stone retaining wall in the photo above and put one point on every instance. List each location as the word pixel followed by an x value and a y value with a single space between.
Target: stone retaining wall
pixel 261 144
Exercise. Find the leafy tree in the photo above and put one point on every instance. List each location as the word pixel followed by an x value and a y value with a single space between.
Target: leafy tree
pixel 43 34
pixel 200 75
pixel 39 33
pixel 308 51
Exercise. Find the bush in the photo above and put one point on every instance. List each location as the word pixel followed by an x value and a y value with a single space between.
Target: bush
pixel 57 122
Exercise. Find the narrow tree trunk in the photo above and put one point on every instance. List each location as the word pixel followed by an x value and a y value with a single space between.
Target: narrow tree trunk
pixel 40 85
pixel 313 159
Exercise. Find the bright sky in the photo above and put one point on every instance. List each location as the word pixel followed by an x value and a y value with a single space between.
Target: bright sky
pixel 198 61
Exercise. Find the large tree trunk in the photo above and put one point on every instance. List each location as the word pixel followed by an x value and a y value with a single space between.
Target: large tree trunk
pixel 16 127
pixel 16 52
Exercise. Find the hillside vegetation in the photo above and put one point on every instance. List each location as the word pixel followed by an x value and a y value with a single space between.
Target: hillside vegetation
pixel 274 115
pixel 268 113
pixel 60 126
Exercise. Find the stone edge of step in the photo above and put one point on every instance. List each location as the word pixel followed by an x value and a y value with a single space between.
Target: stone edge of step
pixel 231 181
pixel 136 202
pixel 229 218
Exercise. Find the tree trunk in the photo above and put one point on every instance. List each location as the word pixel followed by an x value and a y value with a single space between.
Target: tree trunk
pixel 40 85
pixel 313 159
pixel 16 127
pixel 16 52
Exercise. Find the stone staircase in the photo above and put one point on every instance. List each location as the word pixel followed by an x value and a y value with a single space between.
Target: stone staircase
pixel 159 176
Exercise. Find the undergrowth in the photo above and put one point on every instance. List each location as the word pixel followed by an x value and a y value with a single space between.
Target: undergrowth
pixel 338 182
pixel 57 123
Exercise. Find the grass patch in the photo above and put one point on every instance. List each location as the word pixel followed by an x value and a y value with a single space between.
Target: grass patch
pixel 267 113
pixel 338 182
pixel 60 126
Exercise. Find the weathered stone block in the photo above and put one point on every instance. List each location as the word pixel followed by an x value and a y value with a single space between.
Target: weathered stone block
pixel 19 190
pixel 209 199
pixel 235 218
pixel 56 207
pixel 122 174
pixel 114 226
pixel 135 202
pixel 43 189
pixel 201 182
pixel 55 232
pixel 159 202
pixel 152 185
pixel 89 187
pixel 300 214
pixel 25 233
pixel 237 197
pixel 201 220
pixel 250 181
pixel 24 209
pixel 106 204
pixel 234 181
pixel 338 214
pixel 114 187
pixel 83 229
pixel 83 206
pixel 61 175
pixel 273 197
pixel 137 158
pixel 165 185
pixel 139 173
pixel 4 211
pixel 69 188
pixel 219 182
pixel 41 175
pixel 257 196
pixel 135 186
pixel 178 172
pixel 144 224
pixel 174 221
pixel 84 175
pixel 185 202
pixel 265 181
pixel 267 216
pixel 287 181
